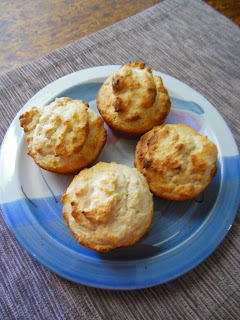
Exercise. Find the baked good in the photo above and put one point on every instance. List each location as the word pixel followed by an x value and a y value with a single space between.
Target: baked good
pixel 176 160
pixel 107 206
pixel 64 136
pixel 133 100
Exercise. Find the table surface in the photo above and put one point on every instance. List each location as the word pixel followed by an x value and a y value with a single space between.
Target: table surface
pixel 30 29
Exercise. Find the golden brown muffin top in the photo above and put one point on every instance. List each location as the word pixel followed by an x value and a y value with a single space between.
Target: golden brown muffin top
pixel 60 134
pixel 176 160
pixel 133 100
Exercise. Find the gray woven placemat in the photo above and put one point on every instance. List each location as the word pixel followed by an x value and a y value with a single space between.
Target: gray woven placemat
pixel 185 39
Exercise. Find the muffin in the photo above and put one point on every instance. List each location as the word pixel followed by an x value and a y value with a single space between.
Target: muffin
pixel 64 136
pixel 108 206
pixel 176 160
pixel 133 100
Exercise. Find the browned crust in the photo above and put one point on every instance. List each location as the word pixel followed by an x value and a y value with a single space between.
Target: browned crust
pixel 179 171
pixel 131 106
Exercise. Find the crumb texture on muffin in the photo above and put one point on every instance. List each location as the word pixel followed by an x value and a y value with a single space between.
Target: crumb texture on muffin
pixel 64 136
pixel 133 100
pixel 176 160
pixel 108 206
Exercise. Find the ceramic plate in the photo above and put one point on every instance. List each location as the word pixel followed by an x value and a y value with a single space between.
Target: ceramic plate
pixel 182 233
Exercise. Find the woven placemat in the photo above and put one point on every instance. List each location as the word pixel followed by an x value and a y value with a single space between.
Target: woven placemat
pixel 189 41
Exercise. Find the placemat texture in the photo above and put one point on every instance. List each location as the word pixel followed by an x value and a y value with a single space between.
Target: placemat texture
pixel 185 39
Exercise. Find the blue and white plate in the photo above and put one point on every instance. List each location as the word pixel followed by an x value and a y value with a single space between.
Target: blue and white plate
pixel 182 234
